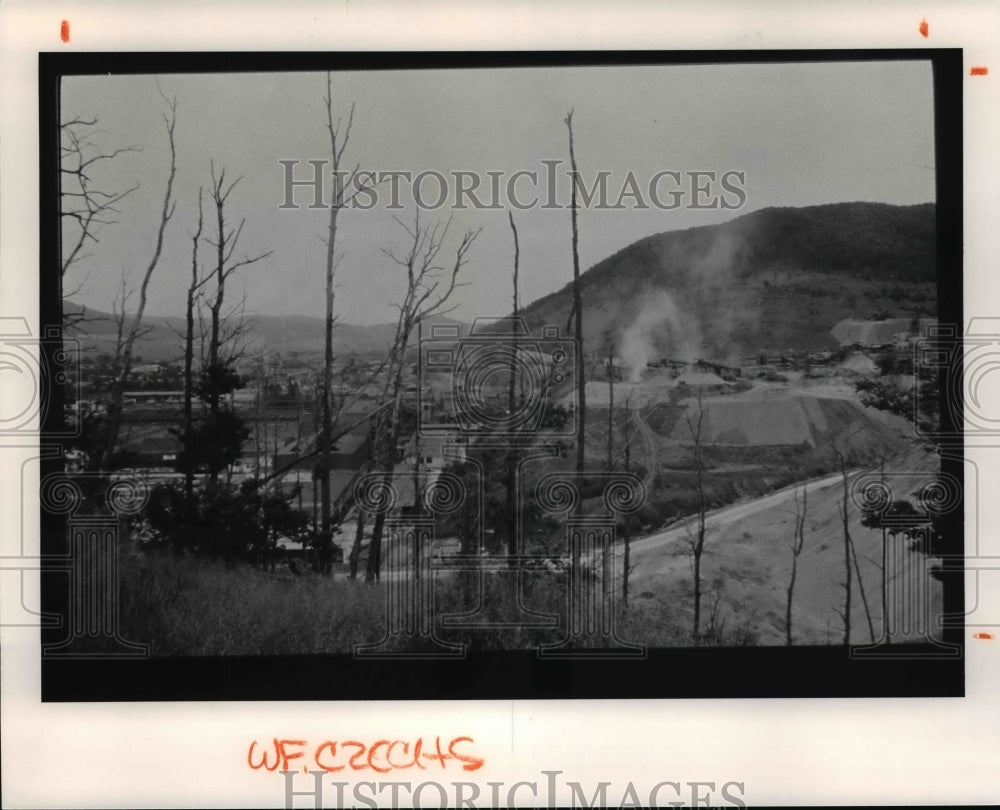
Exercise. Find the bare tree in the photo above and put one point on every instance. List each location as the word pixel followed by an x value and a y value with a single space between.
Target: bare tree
pixel 696 541
pixel 798 541
pixel 861 589
pixel 627 558
pixel 611 404
pixel 339 134
pixel 850 555
pixel 846 614
pixel 355 555
pixel 577 311
pixel 225 243
pixel 429 286
pixel 875 519
pixel 512 455
pixel 192 296
pixel 123 324
pixel 511 404
pixel 218 374
pixel 84 206
pixel 886 626
pixel 127 337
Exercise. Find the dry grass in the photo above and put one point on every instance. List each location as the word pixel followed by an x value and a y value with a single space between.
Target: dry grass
pixel 184 605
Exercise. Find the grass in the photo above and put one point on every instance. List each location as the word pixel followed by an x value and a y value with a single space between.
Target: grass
pixel 184 605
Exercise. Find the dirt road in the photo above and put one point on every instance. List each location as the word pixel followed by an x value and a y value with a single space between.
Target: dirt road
pixel 719 518
pixel 747 558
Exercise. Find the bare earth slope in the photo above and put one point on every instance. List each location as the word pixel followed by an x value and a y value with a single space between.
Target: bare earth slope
pixel 748 557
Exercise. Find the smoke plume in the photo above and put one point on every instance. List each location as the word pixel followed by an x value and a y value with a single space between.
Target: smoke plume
pixel 660 329
pixel 705 316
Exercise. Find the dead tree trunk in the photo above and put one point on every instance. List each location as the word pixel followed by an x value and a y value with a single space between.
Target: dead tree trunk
pixel 611 406
pixel 886 627
pixel 385 457
pixel 215 309
pixel 697 544
pixel 861 590
pixel 429 288
pixel 217 374
pixel 847 553
pixel 798 541
pixel 577 312
pixel 192 297
pixel 359 535
pixel 373 570
pixel 512 452
pixel 511 402
pixel 338 143
pixel 627 557
pixel 84 210
pixel 127 343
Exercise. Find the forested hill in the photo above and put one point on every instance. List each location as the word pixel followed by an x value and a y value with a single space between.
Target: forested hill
pixel 768 279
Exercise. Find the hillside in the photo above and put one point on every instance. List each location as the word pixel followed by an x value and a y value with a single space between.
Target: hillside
pixel 747 561
pixel 771 279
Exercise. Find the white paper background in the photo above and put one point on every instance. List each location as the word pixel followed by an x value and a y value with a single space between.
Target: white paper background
pixel 785 751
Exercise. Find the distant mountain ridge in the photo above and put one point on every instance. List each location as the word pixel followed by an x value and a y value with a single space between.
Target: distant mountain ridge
pixel 771 279
pixel 286 334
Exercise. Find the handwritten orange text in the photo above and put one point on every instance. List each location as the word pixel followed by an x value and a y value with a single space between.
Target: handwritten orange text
pixel 381 756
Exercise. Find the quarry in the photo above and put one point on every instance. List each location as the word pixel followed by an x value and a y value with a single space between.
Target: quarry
pixel 769 427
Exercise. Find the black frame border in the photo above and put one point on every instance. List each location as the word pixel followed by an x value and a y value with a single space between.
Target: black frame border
pixel 758 672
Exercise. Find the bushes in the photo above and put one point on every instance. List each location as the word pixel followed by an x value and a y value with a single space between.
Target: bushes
pixel 225 521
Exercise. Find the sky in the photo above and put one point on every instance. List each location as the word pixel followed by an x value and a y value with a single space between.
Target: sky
pixel 800 134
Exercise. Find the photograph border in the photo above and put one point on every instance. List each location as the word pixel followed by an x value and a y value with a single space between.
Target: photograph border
pixel 753 672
